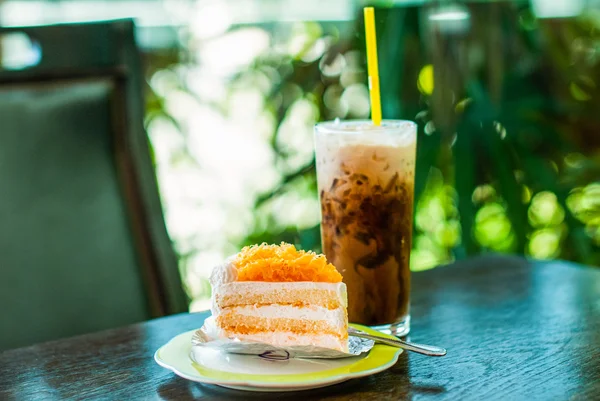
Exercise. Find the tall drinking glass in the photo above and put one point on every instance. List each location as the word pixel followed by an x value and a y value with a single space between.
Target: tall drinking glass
pixel 365 177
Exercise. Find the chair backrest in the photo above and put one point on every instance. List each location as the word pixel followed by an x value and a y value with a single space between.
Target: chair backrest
pixel 83 245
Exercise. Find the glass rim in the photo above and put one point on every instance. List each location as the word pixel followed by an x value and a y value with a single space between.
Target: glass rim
pixel 387 127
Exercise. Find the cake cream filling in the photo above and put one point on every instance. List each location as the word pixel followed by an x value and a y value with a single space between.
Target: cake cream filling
pixel 248 288
pixel 286 339
pixel 335 317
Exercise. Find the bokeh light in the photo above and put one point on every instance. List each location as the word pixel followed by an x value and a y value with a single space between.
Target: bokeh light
pixel 425 82
pixel 493 229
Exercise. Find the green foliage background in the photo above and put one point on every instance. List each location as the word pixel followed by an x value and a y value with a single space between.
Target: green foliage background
pixel 507 106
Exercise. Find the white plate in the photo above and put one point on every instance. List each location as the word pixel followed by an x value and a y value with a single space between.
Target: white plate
pixel 254 373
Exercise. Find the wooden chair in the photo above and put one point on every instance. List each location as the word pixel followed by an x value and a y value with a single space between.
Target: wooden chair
pixel 83 245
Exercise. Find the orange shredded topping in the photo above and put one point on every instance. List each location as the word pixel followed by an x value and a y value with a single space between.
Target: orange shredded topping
pixel 277 263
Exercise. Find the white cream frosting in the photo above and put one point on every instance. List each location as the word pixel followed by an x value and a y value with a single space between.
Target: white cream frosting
pixel 224 273
pixel 337 317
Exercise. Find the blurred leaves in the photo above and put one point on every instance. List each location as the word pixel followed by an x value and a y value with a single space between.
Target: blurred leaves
pixel 505 118
pixel 508 156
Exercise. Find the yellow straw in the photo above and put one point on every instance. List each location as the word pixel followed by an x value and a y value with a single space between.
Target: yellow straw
pixel 372 65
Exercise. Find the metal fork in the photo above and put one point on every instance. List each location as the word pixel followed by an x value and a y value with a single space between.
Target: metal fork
pixel 429 350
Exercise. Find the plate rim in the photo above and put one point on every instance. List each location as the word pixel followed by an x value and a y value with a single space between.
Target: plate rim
pixel 199 378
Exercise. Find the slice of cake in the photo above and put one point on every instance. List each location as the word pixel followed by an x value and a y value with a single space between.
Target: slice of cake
pixel 280 296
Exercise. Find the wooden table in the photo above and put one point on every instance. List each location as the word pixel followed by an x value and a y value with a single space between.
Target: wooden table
pixel 514 330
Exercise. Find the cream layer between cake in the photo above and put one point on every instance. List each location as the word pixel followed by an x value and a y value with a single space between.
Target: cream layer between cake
pixel 335 317
pixel 288 338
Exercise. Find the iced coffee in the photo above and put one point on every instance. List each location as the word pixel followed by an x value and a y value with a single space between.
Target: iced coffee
pixel 365 177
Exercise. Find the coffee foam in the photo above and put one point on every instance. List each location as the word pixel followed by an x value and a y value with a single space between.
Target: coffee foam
pixel 378 162
pixel 389 133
